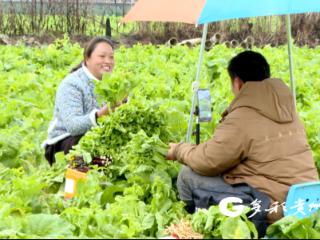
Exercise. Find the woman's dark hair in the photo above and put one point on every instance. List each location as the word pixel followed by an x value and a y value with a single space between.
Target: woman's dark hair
pixel 90 47
pixel 249 66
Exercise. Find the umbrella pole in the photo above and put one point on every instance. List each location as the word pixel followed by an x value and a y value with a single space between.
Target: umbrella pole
pixel 195 84
pixel 292 81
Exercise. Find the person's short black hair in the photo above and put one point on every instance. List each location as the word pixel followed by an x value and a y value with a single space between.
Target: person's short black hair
pixel 249 66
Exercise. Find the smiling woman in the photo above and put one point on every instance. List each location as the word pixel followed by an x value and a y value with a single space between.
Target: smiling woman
pixel 98 57
pixel 76 109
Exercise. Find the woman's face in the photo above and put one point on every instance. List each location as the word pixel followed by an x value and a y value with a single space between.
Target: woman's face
pixel 101 60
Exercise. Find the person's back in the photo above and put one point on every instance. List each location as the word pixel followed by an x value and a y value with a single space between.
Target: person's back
pixel 258 150
pixel 276 152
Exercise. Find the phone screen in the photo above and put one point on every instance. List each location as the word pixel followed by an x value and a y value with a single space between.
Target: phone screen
pixel 204 100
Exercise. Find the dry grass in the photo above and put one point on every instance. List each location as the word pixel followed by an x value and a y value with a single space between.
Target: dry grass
pixel 76 18
pixel 263 30
pixel 183 230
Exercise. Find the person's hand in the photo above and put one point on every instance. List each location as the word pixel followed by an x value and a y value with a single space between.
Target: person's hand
pixel 170 154
pixel 125 100
pixel 103 111
pixel 119 103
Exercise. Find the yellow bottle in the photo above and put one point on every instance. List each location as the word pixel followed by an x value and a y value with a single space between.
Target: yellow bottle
pixel 72 178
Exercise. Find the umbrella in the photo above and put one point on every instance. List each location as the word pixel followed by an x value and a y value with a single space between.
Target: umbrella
pixel 206 11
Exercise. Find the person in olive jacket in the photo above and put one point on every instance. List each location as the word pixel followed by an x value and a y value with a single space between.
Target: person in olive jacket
pixel 260 141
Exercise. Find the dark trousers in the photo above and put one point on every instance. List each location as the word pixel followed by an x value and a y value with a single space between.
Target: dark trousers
pixel 201 192
pixel 64 145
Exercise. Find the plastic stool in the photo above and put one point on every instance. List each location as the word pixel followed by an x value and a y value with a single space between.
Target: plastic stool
pixel 303 199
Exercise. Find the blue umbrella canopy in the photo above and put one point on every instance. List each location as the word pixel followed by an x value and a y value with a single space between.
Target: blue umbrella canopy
pixel 217 10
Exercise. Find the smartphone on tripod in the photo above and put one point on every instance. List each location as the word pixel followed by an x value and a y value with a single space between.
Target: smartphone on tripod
pixel 204 105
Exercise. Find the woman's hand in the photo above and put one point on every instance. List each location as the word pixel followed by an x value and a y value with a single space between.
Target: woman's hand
pixel 103 111
pixel 119 103
pixel 125 100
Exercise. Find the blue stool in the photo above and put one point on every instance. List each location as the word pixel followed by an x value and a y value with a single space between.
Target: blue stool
pixel 303 199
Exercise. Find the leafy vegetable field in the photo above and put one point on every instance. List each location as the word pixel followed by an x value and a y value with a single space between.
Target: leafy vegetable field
pixel 135 196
